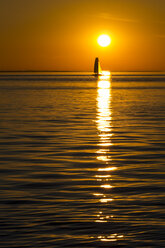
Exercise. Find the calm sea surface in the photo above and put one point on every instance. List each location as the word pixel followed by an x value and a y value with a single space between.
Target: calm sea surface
pixel 82 160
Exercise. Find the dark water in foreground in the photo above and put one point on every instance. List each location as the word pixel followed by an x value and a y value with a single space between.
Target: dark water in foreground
pixel 82 161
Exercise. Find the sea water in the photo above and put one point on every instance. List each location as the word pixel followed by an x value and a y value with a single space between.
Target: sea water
pixel 82 160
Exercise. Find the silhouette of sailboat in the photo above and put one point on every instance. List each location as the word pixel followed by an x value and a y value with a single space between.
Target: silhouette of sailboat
pixel 97 67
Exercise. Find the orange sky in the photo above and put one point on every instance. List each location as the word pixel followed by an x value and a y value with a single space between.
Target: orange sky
pixel 62 34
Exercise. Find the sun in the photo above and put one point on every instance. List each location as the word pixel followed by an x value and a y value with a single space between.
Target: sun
pixel 104 40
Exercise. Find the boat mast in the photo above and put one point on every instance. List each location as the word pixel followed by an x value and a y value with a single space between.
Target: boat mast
pixel 97 67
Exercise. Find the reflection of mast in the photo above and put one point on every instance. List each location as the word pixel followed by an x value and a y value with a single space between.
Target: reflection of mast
pixel 97 67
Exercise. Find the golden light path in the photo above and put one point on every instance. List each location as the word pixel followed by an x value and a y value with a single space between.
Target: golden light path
pixel 104 116
pixel 104 126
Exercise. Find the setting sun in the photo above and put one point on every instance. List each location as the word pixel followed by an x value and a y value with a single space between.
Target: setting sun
pixel 104 40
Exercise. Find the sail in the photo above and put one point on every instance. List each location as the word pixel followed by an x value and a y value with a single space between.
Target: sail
pixel 97 67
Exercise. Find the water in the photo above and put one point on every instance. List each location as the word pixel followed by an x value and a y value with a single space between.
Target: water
pixel 82 160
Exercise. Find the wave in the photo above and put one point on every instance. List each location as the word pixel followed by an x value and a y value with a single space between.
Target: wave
pixel 82 76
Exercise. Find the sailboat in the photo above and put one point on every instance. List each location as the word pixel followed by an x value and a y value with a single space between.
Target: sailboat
pixel 97 67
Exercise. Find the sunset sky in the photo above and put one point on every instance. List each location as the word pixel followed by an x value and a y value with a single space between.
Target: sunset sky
pixel 62 34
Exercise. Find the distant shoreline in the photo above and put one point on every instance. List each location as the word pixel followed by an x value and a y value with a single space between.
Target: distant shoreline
pixel 77 71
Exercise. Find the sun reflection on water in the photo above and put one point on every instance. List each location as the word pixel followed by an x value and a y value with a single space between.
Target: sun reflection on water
pixel 110 238
pixel 103 176
pixel 104 116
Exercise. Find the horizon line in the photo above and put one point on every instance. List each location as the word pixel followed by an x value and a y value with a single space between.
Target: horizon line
pixel 77 71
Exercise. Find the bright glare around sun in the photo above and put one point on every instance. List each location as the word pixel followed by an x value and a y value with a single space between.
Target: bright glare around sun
pixel 104 40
